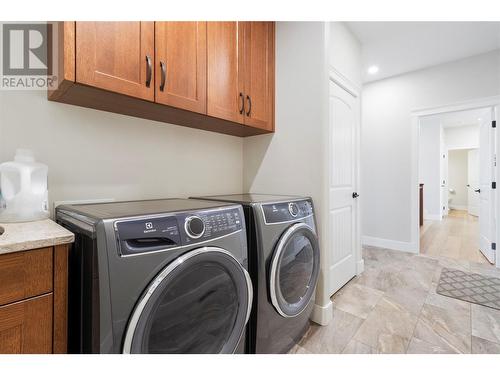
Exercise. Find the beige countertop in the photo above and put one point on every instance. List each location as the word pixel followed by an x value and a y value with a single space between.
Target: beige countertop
pixel 32 235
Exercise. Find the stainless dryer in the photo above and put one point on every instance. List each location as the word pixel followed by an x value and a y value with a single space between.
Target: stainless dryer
pixel 284 258
pixel 158 276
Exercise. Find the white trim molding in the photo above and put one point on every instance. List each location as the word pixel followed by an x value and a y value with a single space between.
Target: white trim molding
pixel 489 101
pixel 343 82
pixel 432 217
pixel 409 247
pixel 322 315
pixel 360 266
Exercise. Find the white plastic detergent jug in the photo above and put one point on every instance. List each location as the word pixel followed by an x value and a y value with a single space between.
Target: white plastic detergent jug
pixel 23 189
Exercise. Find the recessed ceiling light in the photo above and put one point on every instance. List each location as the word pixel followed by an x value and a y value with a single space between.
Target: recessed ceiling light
pixel 479 119
pixel 373 69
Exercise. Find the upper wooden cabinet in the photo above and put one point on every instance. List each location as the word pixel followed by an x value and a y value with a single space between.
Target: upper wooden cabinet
pixel 259 74
pixel 225 78
pixel 241 72
pixel 216 76
pixel 116 56
pixel 181 64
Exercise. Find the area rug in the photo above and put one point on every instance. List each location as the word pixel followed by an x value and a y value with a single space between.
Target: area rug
pixel 470 287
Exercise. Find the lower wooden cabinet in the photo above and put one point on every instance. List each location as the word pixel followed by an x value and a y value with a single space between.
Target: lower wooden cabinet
pixel 33 301
pixel 26 326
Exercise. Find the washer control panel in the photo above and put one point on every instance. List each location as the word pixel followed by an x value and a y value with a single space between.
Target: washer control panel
pixel 136 236
pixel 211 224
pixel 287 211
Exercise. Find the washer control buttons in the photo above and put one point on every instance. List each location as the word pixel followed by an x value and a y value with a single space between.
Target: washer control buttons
pixel 194 226
pixel 293 209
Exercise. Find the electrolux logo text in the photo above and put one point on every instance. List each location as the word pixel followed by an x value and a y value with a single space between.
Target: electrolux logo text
pixel 26 59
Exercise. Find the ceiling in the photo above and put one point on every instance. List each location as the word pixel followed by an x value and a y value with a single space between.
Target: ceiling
pixel 463 118
pixel 400 47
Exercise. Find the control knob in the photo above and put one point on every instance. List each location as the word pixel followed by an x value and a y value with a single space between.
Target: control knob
pixel 293 209
pixel 194 226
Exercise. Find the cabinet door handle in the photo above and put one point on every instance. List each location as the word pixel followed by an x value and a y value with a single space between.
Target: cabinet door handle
pixel 242 103
pixel 477 190
pixel 355 195
pixel 249 105
pixel 163 67
pixel 149 70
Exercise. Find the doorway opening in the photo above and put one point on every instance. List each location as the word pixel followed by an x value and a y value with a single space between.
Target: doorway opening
pixel 456 167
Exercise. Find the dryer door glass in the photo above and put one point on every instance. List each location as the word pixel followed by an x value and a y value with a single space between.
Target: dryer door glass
pixel 294 270
pixel 197 304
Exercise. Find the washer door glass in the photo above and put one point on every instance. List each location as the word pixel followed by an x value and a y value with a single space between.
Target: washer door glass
pixel 294 270
pixel 198 304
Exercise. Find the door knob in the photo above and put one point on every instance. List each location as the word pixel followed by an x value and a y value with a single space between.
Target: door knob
pixel 477 190
pixel 355 195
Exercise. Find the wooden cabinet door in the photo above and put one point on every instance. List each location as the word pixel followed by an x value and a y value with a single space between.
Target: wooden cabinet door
pixel 26 326
pixel 116 56
pixel 224 76
pixel 259 74
pixel 181 65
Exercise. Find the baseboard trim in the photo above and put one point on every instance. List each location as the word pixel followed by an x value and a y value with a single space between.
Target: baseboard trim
pixel 360 266
pixel 408 247
pixel 322 315
pixel 432 217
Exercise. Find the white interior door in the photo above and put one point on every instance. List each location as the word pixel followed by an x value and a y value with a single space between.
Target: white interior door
pixel 473 182
pixel 496 135
pixel 444 183
pixel 343 204
pixel 486 211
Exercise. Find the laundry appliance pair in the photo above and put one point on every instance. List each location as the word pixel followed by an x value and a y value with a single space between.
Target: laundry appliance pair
pixel 227 274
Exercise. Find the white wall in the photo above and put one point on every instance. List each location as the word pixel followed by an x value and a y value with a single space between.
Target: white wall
pixel 430 167
pixel 457 178
pixel 462 137
pixel 344 52
pixel 93 154
pixel 290 161
pixel 386 169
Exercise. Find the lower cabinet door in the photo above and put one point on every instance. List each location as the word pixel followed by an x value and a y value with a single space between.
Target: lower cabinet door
pixel 26 326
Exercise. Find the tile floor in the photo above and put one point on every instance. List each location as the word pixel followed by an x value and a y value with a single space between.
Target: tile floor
pixel 456 236
pixel 393 307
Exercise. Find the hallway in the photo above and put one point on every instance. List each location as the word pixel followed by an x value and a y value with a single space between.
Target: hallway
pixel 456 237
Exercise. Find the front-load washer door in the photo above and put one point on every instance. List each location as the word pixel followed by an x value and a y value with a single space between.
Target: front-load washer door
pixel 294 270
pixel 199 303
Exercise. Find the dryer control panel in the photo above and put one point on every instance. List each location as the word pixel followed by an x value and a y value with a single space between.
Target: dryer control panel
pixel 136 236
pixel 287 211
